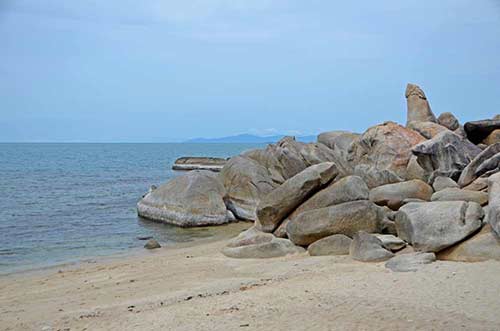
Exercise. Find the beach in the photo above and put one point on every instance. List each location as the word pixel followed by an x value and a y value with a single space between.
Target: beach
pixel 197 288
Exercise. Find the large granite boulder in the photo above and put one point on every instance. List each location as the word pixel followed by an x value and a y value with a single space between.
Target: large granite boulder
pixel 194 199
pixel 481 247
pixel 433 226
pixel 337 244
pixel 318 153
pixel 472 171
pixel 427 129
pixel 477 131
pixel 280 202
pixel 374 177
pixel 415 171
pixel 456 194
pixel 447 154
pixel 493 137
pixel 410 262
pixel 393 195
pixel 449 121
pixel 419 109
pixel 441 183
pixel 246 182
pixel 494 203
pixel 366 247
pixel 346 218
pixel 386 146
pixel 338 140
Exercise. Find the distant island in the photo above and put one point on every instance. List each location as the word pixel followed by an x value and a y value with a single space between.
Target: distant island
pixel 248 139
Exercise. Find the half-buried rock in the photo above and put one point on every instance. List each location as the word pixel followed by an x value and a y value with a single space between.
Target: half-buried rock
pixel 410 262
pixel 366 247
pixel 280 202
pixel 433 226
pixel 338 244
pixel 481 247
pixel 194 199
pixel 393 195
pixel 456 194
pixel 346 218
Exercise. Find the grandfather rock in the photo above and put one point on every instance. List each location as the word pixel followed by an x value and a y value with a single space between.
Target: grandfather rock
pixel 410 262
pixel 456 194
pixel 470 172
pixel 337 244
pixel 441 183
pixel 419 109
pixel 366 247
pixel 448 120
pixel 433 226
pixel 392 195
pixel 477 131
pixel 481 247
pixel 280 202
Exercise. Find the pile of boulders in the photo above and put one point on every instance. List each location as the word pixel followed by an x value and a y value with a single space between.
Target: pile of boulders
pixel 404 193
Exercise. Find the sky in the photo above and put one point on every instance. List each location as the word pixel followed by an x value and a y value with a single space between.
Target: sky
pixel 159 71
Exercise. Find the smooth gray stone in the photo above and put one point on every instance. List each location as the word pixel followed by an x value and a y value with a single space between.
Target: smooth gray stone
pixel 252 236
pixel 482 246
pixel 418 108
pixel 338 140
pixel 374 177
pixel 275 248
pixel 410 262
pixel 470 172
pixel 366 247
pixel 391 242
pixel 393 195
pixel 448 120
pixel 152 244
pixel 456 194
pixel 427 129
pixel 441 183
pixel 337 244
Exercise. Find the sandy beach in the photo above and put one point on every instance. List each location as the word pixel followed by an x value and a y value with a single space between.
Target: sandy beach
pixel 197 288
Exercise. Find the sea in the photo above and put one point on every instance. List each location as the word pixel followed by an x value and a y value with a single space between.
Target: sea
pixel 64 203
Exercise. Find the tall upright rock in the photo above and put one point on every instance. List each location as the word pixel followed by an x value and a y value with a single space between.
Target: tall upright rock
pixel 419 109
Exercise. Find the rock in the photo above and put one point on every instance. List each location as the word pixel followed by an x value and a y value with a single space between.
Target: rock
pixel 338 140
pixel 441 183
pixel 199 163
pixel 144 237
pixel 392 195
pixel 427 129
pixel 347 189
pixel 346 218
pixel 152 244
pixel 480 184
pixel 275 248
pixel 386 146
pixel 493 138
pixel 391 242
pixel 319 153
pixel 246 182
pixel 415 171
pixel 470 172
pixel 252 236
pixel 280 202
pixel 337 244
pixel 494 203
pixel 489 167
pixel 374 177
pixel 410 262
pixel 447 154
pixel 194 199
pixel 477 131
pixel 448 120
pixel 456 194
pixel 419 109
pixel 433 226
pixel 366 247
pixel 481 247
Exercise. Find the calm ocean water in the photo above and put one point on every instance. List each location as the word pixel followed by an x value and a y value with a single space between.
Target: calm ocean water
pixel 62 203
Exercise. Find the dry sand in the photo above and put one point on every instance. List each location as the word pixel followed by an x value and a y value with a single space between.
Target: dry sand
pixel 197 288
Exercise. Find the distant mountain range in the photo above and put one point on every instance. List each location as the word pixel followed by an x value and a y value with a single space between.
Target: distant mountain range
pixel 248 139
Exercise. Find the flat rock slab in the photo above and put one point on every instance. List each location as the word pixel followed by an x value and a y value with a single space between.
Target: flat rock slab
pixel 392 195
pixel 275 248
pixel 456 194
pixel 391 242
pixel 199 163
pixel 338 244
pixel 470 172
pixel 410 262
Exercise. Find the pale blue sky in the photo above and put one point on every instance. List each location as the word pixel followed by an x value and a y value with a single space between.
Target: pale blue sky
pixel 155 70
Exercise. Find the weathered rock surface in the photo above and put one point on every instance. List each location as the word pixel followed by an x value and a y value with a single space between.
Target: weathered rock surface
pixel 447 154
pixel 391 242
pixel 477 131
pixel 274 248
pixel 471 171
pixel 194 199
pixel 366 247
pixel 152 244
pixel 427 129
pixel 252 236
pixel 481 247
pixel 392 195
pixel 441 183
pixel 346 218
pixel 410 262
pixel 419 109
pixel 337 244
pixel 199 163
pixel 338 140
pixel 480 184
pixel 449 121
pixel 456 194
pixel 246 182
pixel 415 171
pixel 493 138
pixel 494 203
pixel 374 177
pixel 386 146
pixel 433 226
pixel 280 202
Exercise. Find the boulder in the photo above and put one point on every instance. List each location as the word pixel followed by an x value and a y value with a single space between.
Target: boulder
pixel 199 163
pixel 338 140
pixel 252 236
pixel 374 177
pixel 410 262
pixel 481 247
pixel 391 242
pixel 419 109
pixel 346 218
pixel 427 129
pixel 441 183
pixel 246 182
pixel 477 131
pixel 415 171
pixel 366 247
pixel 449 121
pixel 470 172
pixel 493 138
pixel 494 203
pixel 480 184
pixel 152 244
pixel 392 195
pixel 319 153
pixel 337 244
pixel 447 154
pixel 386 146
pixel 433 226
pixel 193 199
pixel 456 194
pixel 276 247
pixel 280 202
